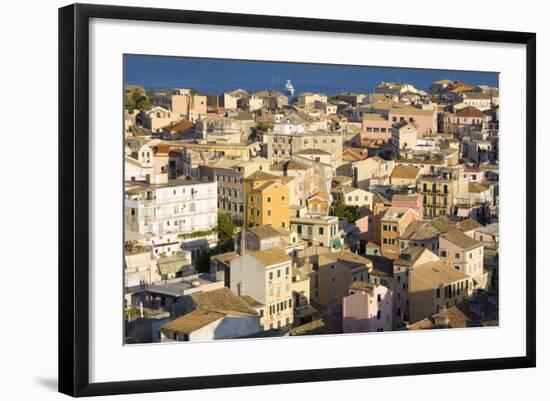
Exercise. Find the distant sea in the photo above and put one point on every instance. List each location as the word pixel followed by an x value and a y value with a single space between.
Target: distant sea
pixel 218 75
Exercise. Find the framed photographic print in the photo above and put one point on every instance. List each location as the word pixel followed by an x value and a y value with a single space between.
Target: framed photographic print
pixel 251 199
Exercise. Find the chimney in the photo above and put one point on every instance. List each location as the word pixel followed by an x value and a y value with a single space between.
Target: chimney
pixel 243 240
pixel 441 320
pixel 240 289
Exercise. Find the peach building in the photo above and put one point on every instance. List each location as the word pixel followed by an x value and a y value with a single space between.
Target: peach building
pixel 369 223
pixel 409 259
pixel 409 201
pixel 158 117
pixel 434 287
pixel 394 222
pixel 367 308
pixel 425 233
pixel 183 102
pixel 376 130
pixel 426 120
pixel 335 272
pixel 465 254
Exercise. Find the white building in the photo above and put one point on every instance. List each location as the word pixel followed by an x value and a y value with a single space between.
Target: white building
pixel 266 277
pixel 136 170
pixel 288 127
pixel 481 101
pixel 404 136
pixel 218 314
pixel 173 215
pixel 159 117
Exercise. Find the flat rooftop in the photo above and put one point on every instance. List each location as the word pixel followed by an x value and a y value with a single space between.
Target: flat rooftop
pixel 177 289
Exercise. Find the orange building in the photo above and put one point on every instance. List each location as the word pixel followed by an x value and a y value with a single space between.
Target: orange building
pixel 266 200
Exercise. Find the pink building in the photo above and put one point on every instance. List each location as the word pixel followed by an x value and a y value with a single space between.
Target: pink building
pixel 410 201
pixel 473 174
pixel 376 130
pixel 425 119
pixel 367 308
pixel 363 225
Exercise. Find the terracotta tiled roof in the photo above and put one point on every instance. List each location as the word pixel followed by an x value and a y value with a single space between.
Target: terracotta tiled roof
pixel 289 165
pixel 310 151
pixel 178 126
pixel 270 257
pixel 261 176
pixel 253 303
pixel 437 274
pixel 226 257
pixel 354 154
pixel 222 300
pixel 411 111
pixel 426 229
pixel 470 112
pixel 405 172
pixel 475 312
pixel 320 194
pixel 468 225
pixel 210 306
pixel 265 231
pixel 460 239
pixel 410 255
pixel 476 187
pixel 192 321
pixel 374 117
pixel 344 256
pixel 405 197
pixel 161 150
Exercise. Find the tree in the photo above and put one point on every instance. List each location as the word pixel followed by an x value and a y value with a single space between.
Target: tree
pixel 226 228
pixel 349 212
pixel 263 127
pixel 226 243
pixel 137 99
pixel 141 101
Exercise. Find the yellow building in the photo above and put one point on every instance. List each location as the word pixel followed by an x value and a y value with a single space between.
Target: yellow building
pixel 441 189
pixel 318 204
pixel 266 200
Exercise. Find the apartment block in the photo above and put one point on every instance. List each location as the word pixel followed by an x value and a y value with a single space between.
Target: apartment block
pixel 172 214
pixel 266 277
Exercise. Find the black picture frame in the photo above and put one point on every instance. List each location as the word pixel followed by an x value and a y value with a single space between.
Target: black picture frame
pixel 74 198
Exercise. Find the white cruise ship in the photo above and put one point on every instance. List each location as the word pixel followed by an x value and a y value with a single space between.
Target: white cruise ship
pixel 289 88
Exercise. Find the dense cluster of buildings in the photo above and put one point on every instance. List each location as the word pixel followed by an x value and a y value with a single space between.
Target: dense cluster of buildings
pixel 360 212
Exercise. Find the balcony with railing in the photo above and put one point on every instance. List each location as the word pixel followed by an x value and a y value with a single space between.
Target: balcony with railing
pixel 179 215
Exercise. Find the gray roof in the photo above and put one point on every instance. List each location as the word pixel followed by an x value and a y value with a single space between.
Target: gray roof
pixel 491 229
